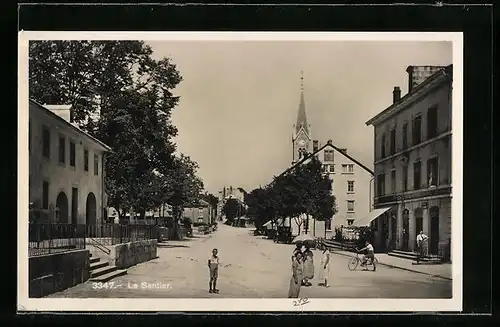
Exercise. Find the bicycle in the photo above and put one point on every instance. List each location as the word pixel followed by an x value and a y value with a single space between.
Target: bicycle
pixel 355 261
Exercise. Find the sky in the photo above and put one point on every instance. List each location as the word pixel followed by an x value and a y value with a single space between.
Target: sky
pixel 239 99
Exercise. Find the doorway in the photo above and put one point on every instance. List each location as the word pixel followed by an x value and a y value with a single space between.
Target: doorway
pixel 385 232
pixel 74 205
pixel 394 231
pixel 419 223
pixel 91 214
pixel 62 208
pixel 406 230
pixel 434 237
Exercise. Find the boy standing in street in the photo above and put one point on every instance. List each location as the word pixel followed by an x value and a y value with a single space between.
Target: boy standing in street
pixel 213 266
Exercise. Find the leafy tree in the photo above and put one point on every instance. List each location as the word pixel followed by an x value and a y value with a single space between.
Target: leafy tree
pixel 301 190
pixel 121 95
pixel 230 209
pixel 212 200
pixel 186 186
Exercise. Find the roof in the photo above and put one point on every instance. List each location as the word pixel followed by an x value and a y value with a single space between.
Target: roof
pixel 340 150
pixel 433 80
pixel 70 125
pixel 197 203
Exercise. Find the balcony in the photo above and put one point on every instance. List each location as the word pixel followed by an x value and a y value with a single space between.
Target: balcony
pixel 413 194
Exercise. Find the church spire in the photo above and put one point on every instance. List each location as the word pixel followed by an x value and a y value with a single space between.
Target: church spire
pixel 301 117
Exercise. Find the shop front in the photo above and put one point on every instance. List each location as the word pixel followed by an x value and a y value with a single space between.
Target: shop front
pixel 380 225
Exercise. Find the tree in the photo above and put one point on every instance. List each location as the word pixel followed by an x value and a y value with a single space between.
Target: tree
pixel 121 95
pixel 84 73
pixel 211 199
pixel 301 190
pixel 230 209
pixel 316 191
pixel 186 186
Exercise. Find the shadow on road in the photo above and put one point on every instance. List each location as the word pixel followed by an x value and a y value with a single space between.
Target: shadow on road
pixel 172 246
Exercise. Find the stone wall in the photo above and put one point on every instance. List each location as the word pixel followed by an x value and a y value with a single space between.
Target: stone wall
pixel 125 255
pixel 53 273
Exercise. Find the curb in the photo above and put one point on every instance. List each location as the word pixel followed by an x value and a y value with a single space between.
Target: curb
pixel 397 267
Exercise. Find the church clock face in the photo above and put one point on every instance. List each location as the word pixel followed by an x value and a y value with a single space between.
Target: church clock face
pixel 302 142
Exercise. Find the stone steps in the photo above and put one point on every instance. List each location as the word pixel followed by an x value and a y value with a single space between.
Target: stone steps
pixel 110 275
pixel 413 256
pixel 103 271
pixel 94 266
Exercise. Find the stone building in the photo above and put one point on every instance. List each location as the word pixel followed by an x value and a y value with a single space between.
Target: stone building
pixel 202 212
pixel 413 164
pixel 351 180
pixel 229 192
pixel 66 175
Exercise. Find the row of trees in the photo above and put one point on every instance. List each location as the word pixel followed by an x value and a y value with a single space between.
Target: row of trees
pixel 233 209
pixel 123 96
pixel 303 190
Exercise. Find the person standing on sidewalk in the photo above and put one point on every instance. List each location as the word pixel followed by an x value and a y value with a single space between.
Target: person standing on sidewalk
pixel 298 248
pixel 213 267
pixel 421 242
pixel 324 269
pixel 308 266
pixel 297 275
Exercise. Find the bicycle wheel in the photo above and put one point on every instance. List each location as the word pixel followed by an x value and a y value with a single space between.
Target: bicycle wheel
pixel 353 263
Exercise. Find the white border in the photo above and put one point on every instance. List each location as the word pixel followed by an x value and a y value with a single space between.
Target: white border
pixel 30 304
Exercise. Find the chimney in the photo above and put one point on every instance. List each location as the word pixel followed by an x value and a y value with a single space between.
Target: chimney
pixel 63 111
pixel 396 94
pixel 418 74
pixel 315 145
pixel 409 70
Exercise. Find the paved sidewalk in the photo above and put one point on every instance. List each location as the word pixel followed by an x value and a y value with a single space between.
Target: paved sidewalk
pixel 435 270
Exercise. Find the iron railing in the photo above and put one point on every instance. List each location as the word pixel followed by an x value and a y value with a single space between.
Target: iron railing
pixel 111 234
pixel 48 238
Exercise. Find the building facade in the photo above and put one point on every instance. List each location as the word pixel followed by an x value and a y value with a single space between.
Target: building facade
pixel 352 182
pixel 352 186
pixel 66 175
pixel 201 213
pixel 229 192
pixel 413 164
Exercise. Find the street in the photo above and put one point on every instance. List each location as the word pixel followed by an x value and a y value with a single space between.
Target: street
pixel 251 267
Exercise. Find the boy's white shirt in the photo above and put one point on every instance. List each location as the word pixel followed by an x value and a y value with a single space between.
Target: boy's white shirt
pixel 214 260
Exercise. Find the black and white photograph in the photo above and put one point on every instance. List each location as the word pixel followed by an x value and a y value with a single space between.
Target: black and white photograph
pixel 198 171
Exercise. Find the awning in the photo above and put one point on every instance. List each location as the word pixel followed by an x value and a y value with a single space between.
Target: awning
pixel 268 223
pixel 278 222
pixel 365 221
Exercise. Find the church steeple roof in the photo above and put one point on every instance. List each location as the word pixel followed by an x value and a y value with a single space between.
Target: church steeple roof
pixel 301 116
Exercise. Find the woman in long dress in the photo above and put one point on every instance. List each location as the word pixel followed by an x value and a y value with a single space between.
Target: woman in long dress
pixel 308 266
pixel 324 269
pixel 297 275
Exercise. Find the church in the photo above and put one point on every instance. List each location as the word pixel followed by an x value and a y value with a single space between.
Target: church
pixel 352 182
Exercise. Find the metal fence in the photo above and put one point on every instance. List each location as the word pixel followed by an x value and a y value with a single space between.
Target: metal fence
pixel 111 234
pixel 47 238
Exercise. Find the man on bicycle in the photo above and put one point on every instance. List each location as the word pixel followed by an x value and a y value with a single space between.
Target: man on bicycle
pixel 370 253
